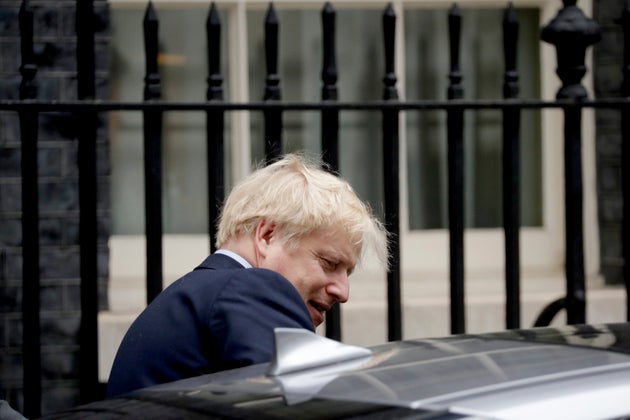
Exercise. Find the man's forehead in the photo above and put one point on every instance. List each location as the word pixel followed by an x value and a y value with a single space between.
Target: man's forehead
pixel 332 240
pixel 341 248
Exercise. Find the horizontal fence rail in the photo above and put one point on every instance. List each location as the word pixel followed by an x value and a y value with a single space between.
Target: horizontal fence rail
pixel 571 98
pixel 374 105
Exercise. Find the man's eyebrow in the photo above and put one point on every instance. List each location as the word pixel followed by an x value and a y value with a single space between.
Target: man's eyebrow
pixel 348 261
pixel 337 255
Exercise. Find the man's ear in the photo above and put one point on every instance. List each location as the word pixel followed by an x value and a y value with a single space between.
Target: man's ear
pixel 265 231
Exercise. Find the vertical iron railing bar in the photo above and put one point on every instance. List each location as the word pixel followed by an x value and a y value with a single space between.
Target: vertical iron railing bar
pixel 152 130
pixel 330 130
pixel 391 173
pixel 86 128
pixel 455 130
pixel 330 92
pixel 511 172
pixel 273 117
pixel 576 294
pixel 31 363
pixel 624 20
pixel 571 32
pixel 214 124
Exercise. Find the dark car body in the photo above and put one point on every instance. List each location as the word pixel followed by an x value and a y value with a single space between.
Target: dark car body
pixel 572 372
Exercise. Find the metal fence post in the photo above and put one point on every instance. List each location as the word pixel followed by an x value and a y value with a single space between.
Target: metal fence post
pixel 330 130
pixel 511 172
pixel 391 173
pixel 330 118
pixel 571 32
pixel 625 153
pixel 87 123
pixel 214 124
pixel 152 126
pixel 31 363
pixel 273 117
pixel 455 125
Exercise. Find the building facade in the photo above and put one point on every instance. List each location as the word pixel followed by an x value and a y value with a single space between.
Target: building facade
pixel 422 65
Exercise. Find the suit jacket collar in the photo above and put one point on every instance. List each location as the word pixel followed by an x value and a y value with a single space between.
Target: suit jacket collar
pixel 219 261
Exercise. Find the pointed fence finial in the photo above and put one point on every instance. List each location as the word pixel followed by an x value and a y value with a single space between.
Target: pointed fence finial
pixel 510 41
pixel 455 88
pixel 213 34
pixel 389 34
pixel 272 87
pixel 273 117
pixel 571 32
pixel 28 68
pixel 329 63
pixel 152 88
pixel 624 21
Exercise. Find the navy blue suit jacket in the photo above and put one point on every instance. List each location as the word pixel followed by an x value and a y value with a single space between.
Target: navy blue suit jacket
pixel 219 316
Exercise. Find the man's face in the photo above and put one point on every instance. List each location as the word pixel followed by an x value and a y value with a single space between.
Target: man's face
pixel 318 267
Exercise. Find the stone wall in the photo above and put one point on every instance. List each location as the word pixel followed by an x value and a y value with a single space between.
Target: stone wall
pixel 55 46
pixel 607 72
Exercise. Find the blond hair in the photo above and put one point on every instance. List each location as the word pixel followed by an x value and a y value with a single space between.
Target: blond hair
pixel 300 197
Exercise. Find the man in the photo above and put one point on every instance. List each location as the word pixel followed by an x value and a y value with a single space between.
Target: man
pixel 289 237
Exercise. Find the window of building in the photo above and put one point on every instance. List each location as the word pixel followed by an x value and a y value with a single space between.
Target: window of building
pixel 422 65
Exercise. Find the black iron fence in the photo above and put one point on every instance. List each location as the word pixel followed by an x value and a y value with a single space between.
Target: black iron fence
pixel 570 32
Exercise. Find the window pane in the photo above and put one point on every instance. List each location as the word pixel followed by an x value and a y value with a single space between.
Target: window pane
pixel 360 68
pixel 481 62
pixel 183 71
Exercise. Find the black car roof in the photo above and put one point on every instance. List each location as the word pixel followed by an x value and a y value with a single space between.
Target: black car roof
pixel 584 371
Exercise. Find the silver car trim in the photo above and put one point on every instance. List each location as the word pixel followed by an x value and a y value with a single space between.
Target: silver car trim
pixel 298 349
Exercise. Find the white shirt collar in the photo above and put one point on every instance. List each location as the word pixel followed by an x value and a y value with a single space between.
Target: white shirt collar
pixel 234 256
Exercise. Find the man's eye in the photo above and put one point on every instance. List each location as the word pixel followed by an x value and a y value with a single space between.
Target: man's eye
pixel 327 264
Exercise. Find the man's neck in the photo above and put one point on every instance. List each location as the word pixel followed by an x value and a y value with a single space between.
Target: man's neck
pixel 235 257
pixel 243 248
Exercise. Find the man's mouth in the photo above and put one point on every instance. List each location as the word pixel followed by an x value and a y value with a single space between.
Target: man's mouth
pixel 318 312
pixel 320 307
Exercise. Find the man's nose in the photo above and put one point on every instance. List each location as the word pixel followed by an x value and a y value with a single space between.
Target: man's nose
pixel 339 287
